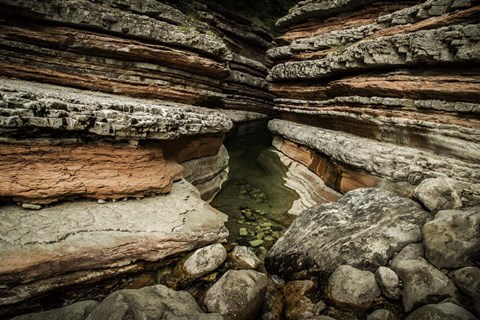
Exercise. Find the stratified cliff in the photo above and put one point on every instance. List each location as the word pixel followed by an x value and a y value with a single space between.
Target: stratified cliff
pixel 150 49
pixel 380 93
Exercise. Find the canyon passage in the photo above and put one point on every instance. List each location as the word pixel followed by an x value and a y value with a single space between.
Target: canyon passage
pixel 240 160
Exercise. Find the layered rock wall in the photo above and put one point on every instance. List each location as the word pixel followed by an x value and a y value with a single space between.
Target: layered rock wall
pixel 184 51
pixel 371 80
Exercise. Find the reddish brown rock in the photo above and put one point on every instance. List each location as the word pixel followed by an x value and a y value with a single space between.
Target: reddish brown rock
pixel 35 173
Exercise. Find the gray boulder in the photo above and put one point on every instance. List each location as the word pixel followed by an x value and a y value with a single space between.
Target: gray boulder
pixel 238 295
pixel 437 194
pixel 468 281
pixel 363 229
pixel 382 314
pixel 156 302
pixel 411 252
pixel 423 283
pixel 76 311
pixel 452 239
pixel 204 260
pixel 441 311
pixel 388 282
pixel 352 288
pixel 244 258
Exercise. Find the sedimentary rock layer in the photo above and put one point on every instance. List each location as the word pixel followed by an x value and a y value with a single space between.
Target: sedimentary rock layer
pixel 83 242
pixel 50 148
pixel 347 162
pixel 207 174
pixel 371 73
pixel 29 106
pixel 183 51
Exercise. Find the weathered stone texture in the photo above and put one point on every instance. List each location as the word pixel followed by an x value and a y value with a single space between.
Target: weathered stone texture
pixel 83 241
pixel 363 229
pixel 381 164
pixel 177 51
pixel 404 74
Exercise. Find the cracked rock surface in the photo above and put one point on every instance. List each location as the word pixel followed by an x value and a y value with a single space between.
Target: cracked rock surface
pixel 83 241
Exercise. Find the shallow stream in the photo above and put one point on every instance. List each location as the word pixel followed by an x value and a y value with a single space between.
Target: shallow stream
pixel 254 196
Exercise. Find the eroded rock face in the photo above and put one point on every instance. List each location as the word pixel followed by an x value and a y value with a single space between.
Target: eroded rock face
pixel 50 150
pixel 369 81
pixel 452 238
pixel 30 105
pixel 84 242
pixel 374 163
pixel 363 229
pixel 238 295
pixel 182 51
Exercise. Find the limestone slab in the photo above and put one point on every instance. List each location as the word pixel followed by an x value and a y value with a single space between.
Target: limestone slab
pixel 83 241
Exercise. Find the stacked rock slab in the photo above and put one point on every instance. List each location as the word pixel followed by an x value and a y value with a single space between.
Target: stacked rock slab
pixel 183 51
pixel 381 94
pixel 60 143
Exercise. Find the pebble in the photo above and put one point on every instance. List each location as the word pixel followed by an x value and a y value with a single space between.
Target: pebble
pixel 31 206
pixel 256 243
pixel 101 201
pixel 269 238
pixel 243 232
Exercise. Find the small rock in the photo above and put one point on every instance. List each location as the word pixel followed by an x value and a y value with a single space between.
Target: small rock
pixel 248 215
pixel 256 243
pixel 423 283
pixel 387 280
pixel 31 206
pixel 269 238
pixel 452 238
pixel 437 194
pixel 350 287
pixel 411 252
pixel 101 201
pixel 243 232
pixel 76 311
pixel 244 258
pixel 441 311
pixel 382 314
pixel 204 260
pixel 238 295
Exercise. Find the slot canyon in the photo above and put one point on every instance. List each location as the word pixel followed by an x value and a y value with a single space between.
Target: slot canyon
pixel 240 160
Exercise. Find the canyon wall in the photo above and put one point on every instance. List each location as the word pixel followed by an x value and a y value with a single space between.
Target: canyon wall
pixel 373 93
pixel 123 103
